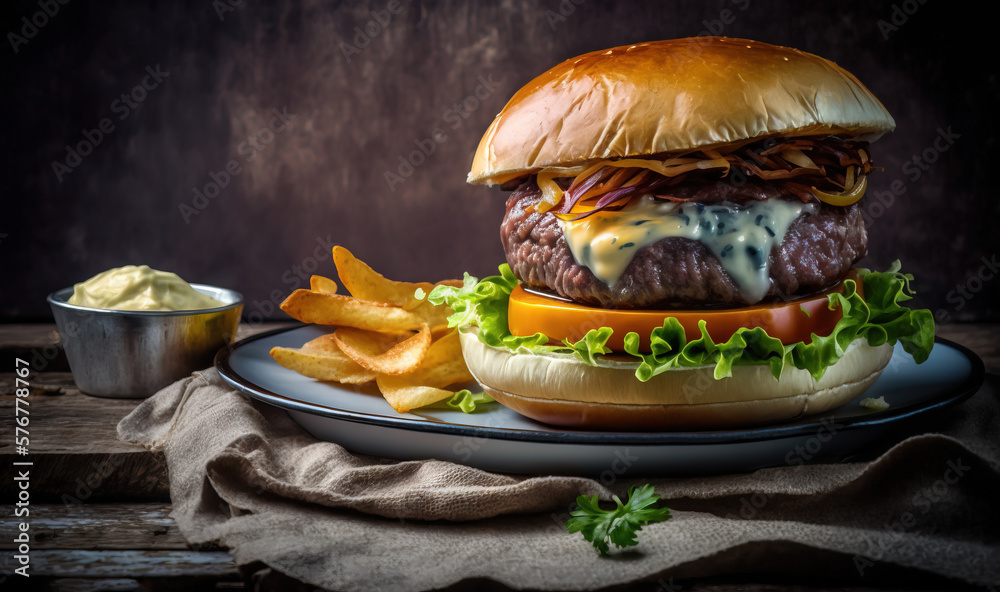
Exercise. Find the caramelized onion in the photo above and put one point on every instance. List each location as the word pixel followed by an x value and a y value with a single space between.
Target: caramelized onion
pixel 843 199
pixel 827 168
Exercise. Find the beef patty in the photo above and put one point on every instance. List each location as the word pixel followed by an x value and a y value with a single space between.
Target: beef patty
pixel 819 249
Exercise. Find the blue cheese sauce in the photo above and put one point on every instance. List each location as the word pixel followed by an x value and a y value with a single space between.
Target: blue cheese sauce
pixel 740 236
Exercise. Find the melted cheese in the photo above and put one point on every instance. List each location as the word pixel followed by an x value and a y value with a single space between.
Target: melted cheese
pixel 740 236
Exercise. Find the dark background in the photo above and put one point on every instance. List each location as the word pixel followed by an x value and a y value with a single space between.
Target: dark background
pixel 361 103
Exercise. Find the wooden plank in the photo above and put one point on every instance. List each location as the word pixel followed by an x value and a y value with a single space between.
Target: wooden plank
pixel 84 547
pixel 84 478
pixel 36 344
pixel 79 563
pixel 73 437
pixel 62 419
pixel 74 445
pixel 97 526
pixel 87 585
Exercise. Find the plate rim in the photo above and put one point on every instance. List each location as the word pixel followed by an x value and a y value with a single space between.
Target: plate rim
pixel 953 396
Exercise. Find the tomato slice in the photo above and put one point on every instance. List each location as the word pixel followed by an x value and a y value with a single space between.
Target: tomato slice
pixel 529 313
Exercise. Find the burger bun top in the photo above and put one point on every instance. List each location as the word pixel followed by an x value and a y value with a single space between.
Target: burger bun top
pixel 669 96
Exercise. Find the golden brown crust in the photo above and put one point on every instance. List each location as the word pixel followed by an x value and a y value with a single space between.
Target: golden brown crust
pixel 674 95
pixel 562 391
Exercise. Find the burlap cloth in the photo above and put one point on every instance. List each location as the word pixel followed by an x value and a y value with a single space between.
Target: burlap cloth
pixel 245 476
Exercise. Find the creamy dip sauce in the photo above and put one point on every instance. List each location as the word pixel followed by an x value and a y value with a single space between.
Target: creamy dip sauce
pixel 139 288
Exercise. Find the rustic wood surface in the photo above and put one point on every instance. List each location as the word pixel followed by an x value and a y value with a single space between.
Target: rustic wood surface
pixel 100 508
pixel 77 454
pixel 93 527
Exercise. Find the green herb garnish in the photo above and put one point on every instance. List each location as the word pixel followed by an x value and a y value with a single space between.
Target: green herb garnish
pixel 618 526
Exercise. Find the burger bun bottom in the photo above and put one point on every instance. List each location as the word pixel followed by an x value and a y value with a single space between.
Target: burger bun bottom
pixel 560 390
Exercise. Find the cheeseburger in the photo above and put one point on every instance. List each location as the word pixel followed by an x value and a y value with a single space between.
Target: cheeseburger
pixel 681 234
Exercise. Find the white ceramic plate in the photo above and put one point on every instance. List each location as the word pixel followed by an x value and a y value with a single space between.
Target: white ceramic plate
pixel 497 439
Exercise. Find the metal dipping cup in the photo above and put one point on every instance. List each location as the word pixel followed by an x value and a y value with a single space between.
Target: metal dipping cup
pixel 127 354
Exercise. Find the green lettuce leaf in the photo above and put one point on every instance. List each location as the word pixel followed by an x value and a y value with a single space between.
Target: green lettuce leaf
pixel 465 401
pixel 593 343
pixel 878 318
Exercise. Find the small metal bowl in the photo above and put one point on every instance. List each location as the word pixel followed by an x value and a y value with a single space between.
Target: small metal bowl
pixel 128 354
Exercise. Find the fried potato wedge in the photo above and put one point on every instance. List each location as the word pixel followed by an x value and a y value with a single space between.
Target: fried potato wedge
pixel 367 284
pixel 441 375
pixel 333 309
pixel 442 365
pixel 318 283
pixel 435 316
pixel 405 396
pixel 323 345
pixel 384 334
pixel 381 353
pixel 322 366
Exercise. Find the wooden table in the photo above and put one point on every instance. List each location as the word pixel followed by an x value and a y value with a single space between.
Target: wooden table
pixel 100 509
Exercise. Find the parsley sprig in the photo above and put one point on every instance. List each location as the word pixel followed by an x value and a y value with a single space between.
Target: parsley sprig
pixel 618 526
